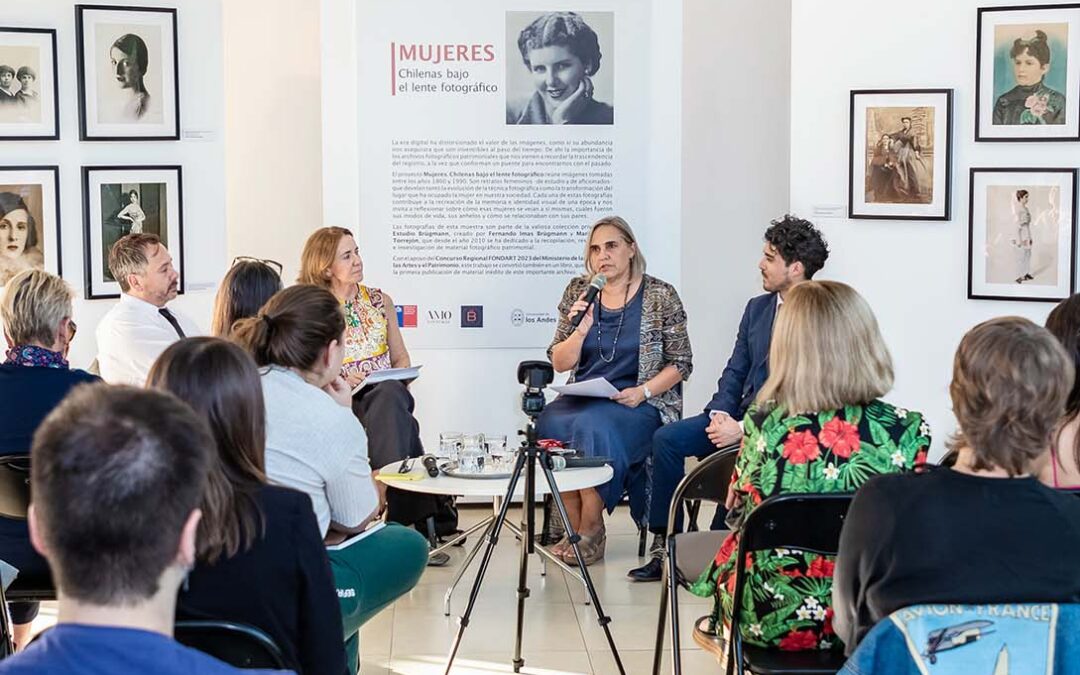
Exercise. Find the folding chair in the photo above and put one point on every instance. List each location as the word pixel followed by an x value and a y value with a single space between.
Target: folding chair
pixel 807 522
pixel 237 644
pixel 689 553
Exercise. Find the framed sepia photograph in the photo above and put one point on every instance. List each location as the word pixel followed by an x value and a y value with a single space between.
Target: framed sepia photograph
pixel 128 70
pixel 120 200
pixel 1022 234
pixel 1027 73
pixel 29 108
pixel 900 154
pixel 29 220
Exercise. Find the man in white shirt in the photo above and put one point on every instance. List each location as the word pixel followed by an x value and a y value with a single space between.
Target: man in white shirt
pixel 137 329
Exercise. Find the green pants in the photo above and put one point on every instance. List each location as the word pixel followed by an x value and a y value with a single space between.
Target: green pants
pixel 371 574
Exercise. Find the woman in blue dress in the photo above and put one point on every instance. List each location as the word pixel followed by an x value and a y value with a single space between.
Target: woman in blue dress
pixel 635 337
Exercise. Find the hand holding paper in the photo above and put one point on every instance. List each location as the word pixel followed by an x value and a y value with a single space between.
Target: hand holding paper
pixel 595 388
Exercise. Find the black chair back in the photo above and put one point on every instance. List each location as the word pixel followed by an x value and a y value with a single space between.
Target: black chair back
pixel 239 645
pixel 14 486
pixel 708 481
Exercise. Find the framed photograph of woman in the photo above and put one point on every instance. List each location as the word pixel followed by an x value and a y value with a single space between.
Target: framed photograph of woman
pixel 1027 73
pixel 29 220
pixel 29 108
pixel 128 70
pixel 900 154
pixel 120 200
pixel 1022 234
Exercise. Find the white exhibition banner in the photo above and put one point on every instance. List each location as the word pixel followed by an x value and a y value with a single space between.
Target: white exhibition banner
pixel 480 176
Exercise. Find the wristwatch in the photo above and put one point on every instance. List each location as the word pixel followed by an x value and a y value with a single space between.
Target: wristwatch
pixel 648 394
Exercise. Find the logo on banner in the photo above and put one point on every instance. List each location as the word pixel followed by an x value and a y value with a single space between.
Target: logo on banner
pixel 520 317
pixel 472 316
pixel 406 316
pixel 441 317
pixel 517 317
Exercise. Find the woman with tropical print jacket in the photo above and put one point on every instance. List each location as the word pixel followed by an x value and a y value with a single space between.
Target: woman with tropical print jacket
pixel 817 426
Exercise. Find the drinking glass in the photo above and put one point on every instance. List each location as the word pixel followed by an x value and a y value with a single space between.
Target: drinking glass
pixel 450 445
pixel 472 457
pixel 496 450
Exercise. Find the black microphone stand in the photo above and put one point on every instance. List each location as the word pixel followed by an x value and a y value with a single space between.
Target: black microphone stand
pixel 530 456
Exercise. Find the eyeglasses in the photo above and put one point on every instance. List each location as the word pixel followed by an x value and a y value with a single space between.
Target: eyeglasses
pixel 273 264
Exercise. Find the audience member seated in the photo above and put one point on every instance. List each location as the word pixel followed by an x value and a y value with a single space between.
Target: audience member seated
pixel 247 286
pixel 372 343
pixel 261 559
pixel 36 312
pixel 986 530
pixel 818 425
pixel 137 329
pixel 794 251
pixel 315 444
pixel 117 477
pixel 1062 469
pixel 635 336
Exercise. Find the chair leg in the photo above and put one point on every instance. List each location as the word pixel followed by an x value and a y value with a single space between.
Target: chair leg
pixel 661 623
pixel 693 508
pixel 671 570
pixel 7 639
pixel 643 537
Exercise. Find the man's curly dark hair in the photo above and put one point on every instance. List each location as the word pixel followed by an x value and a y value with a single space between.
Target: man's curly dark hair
pixel 797 240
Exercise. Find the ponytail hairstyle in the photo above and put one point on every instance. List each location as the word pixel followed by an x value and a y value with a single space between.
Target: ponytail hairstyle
pixel 220 382
pixel 292 328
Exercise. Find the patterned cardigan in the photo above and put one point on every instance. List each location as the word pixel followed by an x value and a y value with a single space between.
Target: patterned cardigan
pixel 664 340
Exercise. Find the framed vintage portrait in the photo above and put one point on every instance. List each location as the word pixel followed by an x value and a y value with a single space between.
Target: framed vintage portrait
pixel 900 154
pixel 29 108
pixel 128 70
pixel 29 220
pixel 1022 234
pixel 120 200
pixel 1027 73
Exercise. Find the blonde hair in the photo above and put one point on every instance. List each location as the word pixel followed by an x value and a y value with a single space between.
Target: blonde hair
pixel 34 304
pixel 320 250
pixel 637 263
pixel 827 351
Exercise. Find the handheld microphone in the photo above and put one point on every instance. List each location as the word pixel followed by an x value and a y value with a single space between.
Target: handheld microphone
pixel 598 282
pixel 559 463
pixel 431 465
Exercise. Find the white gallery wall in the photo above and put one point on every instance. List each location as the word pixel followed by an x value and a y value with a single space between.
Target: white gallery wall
pixel 914 274
pixel 200 152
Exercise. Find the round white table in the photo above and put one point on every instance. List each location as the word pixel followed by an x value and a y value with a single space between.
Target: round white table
pixel 495 489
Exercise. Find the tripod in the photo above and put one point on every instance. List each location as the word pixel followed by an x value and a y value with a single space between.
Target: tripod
pixel 530 456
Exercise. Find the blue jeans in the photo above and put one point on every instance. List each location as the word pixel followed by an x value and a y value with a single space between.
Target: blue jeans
pixel 672 444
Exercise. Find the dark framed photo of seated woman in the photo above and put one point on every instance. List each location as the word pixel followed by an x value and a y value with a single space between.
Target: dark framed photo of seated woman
pixel 1027 73
pixel 29 108
pixel 900 154
pixel 128 69
pixel 1022 234
pixel 122 200
pixel 29 220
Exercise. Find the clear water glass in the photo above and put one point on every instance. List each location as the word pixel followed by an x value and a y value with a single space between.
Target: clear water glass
pixel 473 454
pixel 450 445
pixel 496 450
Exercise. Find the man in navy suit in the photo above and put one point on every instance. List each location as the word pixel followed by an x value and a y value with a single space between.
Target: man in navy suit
pixel 794 250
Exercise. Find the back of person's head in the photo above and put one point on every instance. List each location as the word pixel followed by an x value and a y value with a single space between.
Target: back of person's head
pixel 130 255
pixel 220 382
pixel 246 287
pixel 117 476
pixel 34 305
pixel 797 240
pixel 826 351
pixel 320 251
pixel 1010 381
pixel 293 328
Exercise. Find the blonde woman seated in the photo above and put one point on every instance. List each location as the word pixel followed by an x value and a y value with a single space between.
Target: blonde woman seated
pixel 817 425
pixel 1062 468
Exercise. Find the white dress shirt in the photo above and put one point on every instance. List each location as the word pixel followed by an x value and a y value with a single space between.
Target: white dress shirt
pixel 131 336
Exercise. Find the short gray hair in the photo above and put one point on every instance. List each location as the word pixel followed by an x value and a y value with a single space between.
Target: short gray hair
pixel 637 263
pixel 128 256
pixel 34 304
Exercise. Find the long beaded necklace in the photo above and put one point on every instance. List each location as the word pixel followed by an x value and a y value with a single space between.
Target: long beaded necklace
pixel 618 329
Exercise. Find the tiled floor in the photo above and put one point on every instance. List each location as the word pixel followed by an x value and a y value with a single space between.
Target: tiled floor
pixel 561 633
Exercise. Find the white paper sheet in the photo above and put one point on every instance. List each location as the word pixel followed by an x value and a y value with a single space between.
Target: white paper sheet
pixel 389 374
pixel 595 388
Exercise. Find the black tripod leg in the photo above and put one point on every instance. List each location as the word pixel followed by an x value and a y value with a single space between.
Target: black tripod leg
pixel 489 548
pixel 528 508
pixel 601 618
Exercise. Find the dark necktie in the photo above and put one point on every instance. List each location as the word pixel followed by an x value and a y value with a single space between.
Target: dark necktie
pixel 172 320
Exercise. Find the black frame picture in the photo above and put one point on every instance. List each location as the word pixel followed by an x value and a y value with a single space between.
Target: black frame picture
pixel 987 103
pixel 137 120
pixel 159 189
pixel 48 209
pixel 48 129
pixel 998 242
pixel 939 206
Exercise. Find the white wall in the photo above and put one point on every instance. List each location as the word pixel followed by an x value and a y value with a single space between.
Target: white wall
pixel 913 274
pixel 201 95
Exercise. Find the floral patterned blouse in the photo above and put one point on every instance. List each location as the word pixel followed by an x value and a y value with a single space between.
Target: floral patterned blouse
pixel 366 346
pixel 786 603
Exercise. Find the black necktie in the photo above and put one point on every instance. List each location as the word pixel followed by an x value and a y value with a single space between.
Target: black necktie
pixel 172 320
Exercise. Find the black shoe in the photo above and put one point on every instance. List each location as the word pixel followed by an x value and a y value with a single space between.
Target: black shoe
pixel 439 559
pixel 1029 277
pixel 650 571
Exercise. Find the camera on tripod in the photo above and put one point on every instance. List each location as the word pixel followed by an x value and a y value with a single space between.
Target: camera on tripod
pixel 535 375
